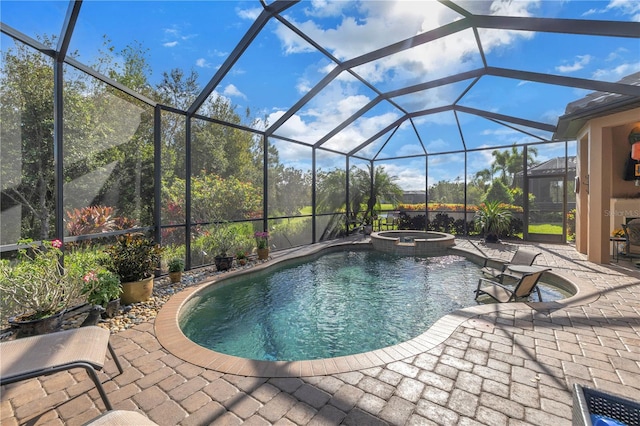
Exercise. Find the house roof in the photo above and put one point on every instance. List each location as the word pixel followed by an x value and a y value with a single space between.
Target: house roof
pixel 552 166
pixel 596 104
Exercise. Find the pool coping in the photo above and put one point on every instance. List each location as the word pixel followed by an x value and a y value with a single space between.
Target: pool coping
pixel 170 335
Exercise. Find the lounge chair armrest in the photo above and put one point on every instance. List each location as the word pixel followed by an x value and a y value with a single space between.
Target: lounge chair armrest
pixel 497 261
pixel 493 283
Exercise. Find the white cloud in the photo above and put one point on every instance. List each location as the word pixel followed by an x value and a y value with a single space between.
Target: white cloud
pixel 623 7
pixel 577 65
pixel 202 63
pixel 356 33
pixel 232 91
pixel 616 73
pixel 303 86
pixel 590 12
pixel 501 131
pixel 250 14
pixel 410 176
pixel 174 35
pixel 626 7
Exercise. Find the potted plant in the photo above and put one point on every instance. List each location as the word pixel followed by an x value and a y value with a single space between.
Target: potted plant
pixel 224 239
pixel 262 244
pixel 102 287
pixel 38 288
pixel 176 266
pixel 492 219
pixel 133 258
pixel 241 257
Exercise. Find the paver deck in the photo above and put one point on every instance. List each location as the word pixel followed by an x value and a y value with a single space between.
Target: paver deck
pixel 511 366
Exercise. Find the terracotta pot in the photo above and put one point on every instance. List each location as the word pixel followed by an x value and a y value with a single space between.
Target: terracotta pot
pixel 175 277
pixel 44 325
pixel 136 291
pixel 263 254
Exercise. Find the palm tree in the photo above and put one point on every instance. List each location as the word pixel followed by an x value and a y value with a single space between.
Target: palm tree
pixel 372 184
pixel 509 162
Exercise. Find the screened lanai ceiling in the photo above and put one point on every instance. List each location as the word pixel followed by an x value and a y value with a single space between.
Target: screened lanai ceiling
pixel 373 79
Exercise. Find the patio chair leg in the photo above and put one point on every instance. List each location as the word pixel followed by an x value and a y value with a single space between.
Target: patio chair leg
pixel 96 380
pixel 115 357
pixel 539 294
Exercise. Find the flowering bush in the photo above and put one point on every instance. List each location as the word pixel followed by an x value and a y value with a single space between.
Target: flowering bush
pixel 262 239
pixel 101 286
pixel 37 284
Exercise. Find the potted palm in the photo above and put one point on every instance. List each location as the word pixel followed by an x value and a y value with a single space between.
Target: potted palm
pixel 133 258
pixel 492 219
pixel 37 288
pixel 176 266
pixel 102 287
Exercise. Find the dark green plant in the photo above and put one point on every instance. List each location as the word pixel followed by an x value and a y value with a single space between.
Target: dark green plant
pixel 498 192
pixel 492 219
pixel 442 222
pixel 133 257
pixel 176 265
pixel 101 287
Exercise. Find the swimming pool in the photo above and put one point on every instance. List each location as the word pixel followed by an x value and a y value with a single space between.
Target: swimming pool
pixel 339 303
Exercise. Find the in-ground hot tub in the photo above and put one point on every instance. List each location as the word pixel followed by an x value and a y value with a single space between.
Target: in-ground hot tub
pixel 412 243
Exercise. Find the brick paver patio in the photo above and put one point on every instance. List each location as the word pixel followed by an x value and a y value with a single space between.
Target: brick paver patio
pixel 507 367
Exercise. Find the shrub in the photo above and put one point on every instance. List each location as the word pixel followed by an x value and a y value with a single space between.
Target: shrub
pixel 37 284
pixel 133 257
pixel 498 192
pixel 95 220
pixel 101 287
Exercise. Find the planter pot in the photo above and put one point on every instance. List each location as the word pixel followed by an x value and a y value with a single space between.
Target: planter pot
pixel 136 291
pixel 111 309
pixel 175 277
pixel 44 325
pixel 263 254
pixel 223 263
pixel 491 238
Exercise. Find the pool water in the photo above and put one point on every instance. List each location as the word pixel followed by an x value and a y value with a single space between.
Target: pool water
pixel 340 303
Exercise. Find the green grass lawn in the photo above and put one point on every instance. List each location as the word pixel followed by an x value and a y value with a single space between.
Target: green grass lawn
pixel 546 228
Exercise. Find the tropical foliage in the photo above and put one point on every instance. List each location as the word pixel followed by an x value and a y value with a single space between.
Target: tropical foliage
pixel 492 219
pixel 133 257
pixel 36 283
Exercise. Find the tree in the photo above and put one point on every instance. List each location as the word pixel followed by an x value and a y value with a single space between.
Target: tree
pixel 510 162
pixel 330 190
pixel 292 192
pixel 372 185
pixel 498 192
pixel 26 112
pixel 447 192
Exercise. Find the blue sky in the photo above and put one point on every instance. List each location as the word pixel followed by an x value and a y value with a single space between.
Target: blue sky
pixel 279 67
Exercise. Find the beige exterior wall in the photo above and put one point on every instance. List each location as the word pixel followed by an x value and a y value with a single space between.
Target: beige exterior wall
pixel 605 199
